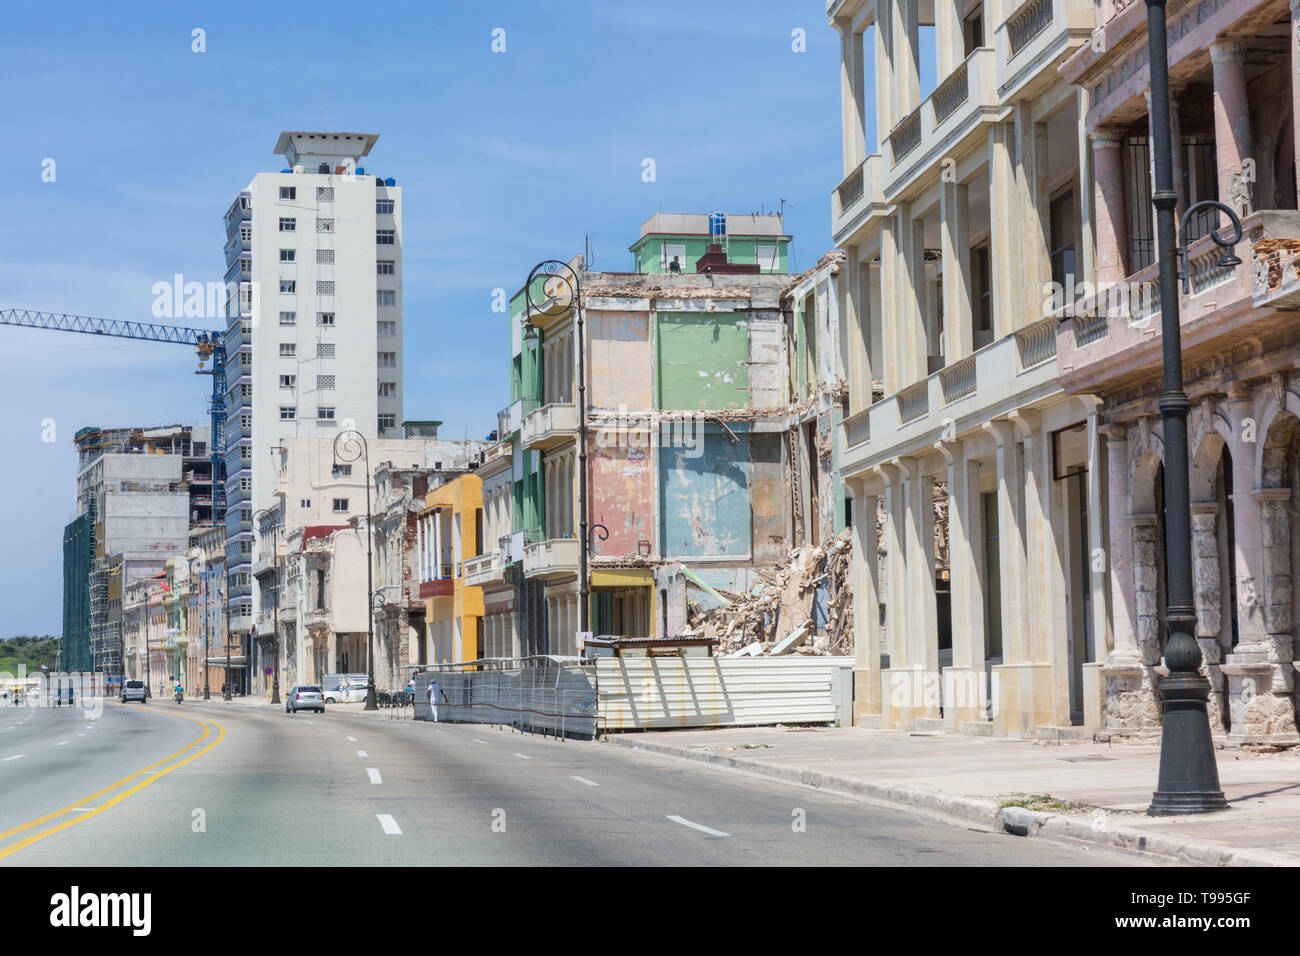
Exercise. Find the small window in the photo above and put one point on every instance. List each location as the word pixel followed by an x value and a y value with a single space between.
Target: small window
pixel 287 381
pixel 1061 226
pixel 324 193
pixel 288 349
pixel 387 422
pixel 384 206
pixel 288 413
pixel 386 237
pixel 324 287
pixel 387 327
pixel 972 29
pixel 387 359
pixel 673 251
pixel 288 192
pixel 304 502
pixel 340 504
pixel 766 257
pixel 324 318
pixel 325 414
pixel 386 297
pixel 288 255
pixel 325 350
pixel 324 225
pixel 385 267
pixel 341 471
pixel 324 257
pixel 288 286
pixel 324 381
pixel 288 224
pixel 288 318
pixel 387 389
pixel 982 293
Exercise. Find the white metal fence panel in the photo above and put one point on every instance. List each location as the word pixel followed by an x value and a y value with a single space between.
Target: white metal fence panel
pixel 645 692
pixel 555 699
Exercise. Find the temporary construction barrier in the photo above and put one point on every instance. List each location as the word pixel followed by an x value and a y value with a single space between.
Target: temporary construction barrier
pixel 568 697
pixel 548 695
pixel 639 693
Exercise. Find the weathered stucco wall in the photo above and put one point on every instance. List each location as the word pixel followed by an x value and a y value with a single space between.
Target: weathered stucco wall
pixel 703 360
pixel 704 491
pixel 622 494
pixel 619 356
pixel 769 495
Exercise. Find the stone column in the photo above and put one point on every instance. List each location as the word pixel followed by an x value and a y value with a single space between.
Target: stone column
pixel 890 349
pixel 1176 146
pixel 1032 268
pixel 949 45
pixel 887 114
pixel 922 636
pixel 896 691
pixel 906 38
pixel 1005 263
pixel 1232 141
pixel 852 95
pixel 954 214
pixel 865 578
pixel 1109 210
pixel 964 684
pixel 1207 591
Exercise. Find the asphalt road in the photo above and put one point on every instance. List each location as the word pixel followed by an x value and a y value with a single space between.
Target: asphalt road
pixel 226 784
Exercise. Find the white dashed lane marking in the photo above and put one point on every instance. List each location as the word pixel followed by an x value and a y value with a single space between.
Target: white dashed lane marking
pixel 696 826
pixel 374 775
pixel 62 742
pixel 522 756
pixel 389 824
pixel 362 753
pixel 590 783
pixel 15 757
pixel 352 739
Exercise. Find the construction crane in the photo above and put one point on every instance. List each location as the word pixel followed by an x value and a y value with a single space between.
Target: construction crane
pixel 207 343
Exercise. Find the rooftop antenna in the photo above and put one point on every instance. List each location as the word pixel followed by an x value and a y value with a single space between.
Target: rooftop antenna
pixel 326 127
pixel 784 203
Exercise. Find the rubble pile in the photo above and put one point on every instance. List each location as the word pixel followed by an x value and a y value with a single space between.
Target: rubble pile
pixel 804 606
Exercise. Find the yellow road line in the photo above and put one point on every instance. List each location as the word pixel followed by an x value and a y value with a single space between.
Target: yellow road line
pixel 152 778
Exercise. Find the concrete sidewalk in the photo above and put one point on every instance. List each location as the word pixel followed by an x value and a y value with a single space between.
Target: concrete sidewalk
pixel 1093 792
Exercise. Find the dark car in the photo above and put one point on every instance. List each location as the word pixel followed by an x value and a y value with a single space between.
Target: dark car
pixel 304 698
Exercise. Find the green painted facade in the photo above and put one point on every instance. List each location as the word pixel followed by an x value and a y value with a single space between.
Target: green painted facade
pixel 648 251
pixel 529 504
pixel 703 360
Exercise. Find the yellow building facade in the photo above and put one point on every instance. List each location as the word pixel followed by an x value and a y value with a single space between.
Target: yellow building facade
pixel 449 533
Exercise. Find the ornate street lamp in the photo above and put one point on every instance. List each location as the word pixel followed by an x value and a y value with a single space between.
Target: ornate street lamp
pixel 349 445
pixel 1189 777
pixel 562 289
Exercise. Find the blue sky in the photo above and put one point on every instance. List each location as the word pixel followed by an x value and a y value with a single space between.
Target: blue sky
pixel 505 159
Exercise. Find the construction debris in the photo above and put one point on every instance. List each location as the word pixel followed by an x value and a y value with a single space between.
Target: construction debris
pixel 804 606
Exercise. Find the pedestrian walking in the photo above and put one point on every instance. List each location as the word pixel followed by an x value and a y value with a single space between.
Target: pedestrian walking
pixel 435 694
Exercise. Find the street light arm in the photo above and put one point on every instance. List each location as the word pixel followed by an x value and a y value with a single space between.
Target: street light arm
pixel 1230 260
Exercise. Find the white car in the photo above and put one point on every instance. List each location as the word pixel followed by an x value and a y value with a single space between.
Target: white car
pixel 346 694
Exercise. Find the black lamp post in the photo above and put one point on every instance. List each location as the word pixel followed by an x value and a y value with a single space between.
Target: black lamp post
pixel 562 288
pixel 1189 777
pixel 349 445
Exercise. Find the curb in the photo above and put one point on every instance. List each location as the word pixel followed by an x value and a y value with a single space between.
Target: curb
pixel 1015 820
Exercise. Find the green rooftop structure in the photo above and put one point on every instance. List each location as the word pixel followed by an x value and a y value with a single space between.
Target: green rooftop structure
pixel 750 239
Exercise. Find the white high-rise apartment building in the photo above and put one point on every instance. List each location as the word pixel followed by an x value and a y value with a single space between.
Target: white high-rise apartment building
pixel 315 337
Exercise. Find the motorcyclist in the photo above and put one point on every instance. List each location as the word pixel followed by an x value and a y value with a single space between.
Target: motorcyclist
pixel 179 693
